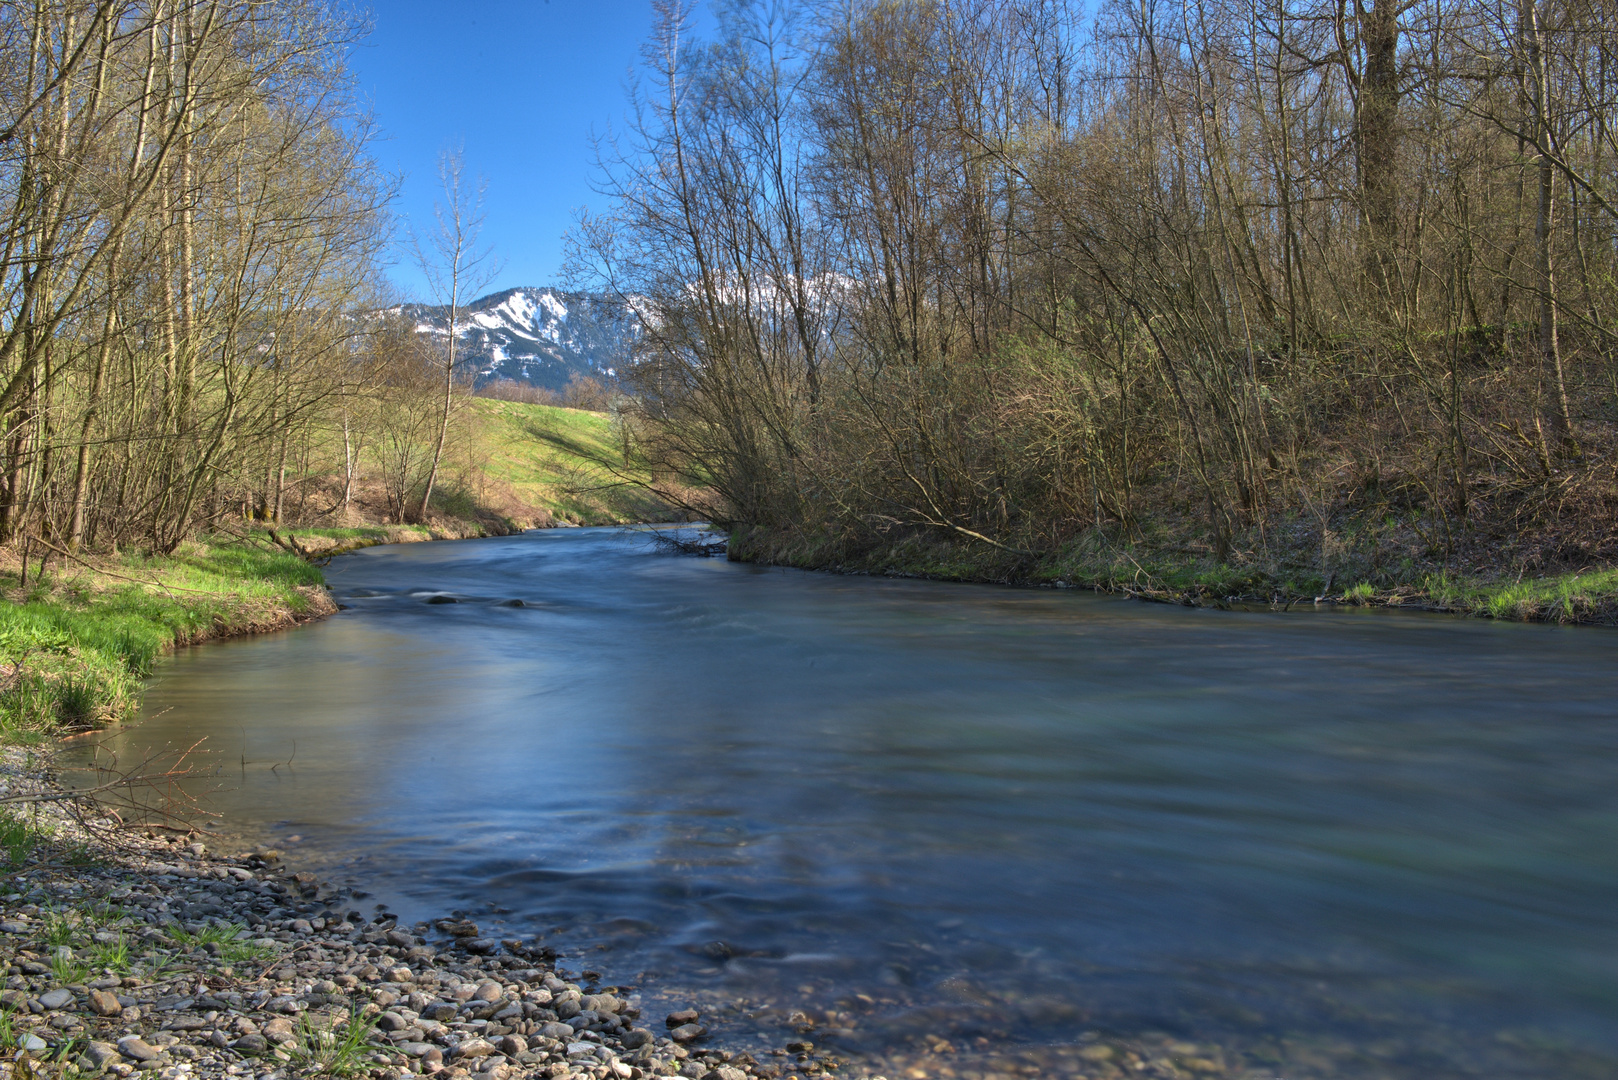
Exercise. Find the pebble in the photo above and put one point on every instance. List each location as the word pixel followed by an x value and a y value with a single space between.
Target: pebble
pixel 137 1048
pixel 466 1006
pixel 102 1054
pixel 278 1030
pixel 57 999
pixel 104 1004
pixel 474 1048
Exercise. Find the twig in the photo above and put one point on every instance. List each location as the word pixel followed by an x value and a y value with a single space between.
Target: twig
pixel 113 573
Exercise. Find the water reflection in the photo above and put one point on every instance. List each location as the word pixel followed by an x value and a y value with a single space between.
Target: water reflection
pixel 1344 844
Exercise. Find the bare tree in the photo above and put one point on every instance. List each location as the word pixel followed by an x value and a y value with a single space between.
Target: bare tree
pixel 455 268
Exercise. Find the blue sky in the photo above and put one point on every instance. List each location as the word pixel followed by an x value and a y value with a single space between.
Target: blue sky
pixel 520 83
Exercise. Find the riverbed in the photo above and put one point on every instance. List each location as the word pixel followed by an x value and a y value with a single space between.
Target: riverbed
pixel 1020 822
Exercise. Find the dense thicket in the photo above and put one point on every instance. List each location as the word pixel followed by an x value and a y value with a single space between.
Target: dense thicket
pixel 1265 274
pixel 189 220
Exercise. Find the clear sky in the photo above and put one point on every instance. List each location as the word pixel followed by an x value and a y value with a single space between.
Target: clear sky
pixel 520 83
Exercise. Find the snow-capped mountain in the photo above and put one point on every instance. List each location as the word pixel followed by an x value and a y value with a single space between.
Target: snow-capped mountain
pixel 541 336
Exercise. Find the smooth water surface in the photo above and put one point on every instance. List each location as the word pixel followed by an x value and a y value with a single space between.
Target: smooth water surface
pixel 1352 844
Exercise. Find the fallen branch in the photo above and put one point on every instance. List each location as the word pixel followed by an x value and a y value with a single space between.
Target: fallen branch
pixel 291 545
pixel 707 549
pixel 149 795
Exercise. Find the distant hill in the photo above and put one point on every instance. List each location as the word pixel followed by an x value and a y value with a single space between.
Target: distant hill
pixel 540 336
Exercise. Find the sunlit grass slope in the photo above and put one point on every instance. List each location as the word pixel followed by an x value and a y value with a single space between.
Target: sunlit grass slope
pixel 566 461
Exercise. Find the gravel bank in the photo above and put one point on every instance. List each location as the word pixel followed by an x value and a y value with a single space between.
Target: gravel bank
pixel 154 955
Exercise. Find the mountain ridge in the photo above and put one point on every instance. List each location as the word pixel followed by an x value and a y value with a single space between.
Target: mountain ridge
pixel 539 335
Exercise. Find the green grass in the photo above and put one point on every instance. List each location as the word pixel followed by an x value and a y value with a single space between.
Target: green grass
pixel 19 839
pixel 60 928
pixel 110 956
pixel 1582 596
pixel 326 540
pixel 567 461
pixel 379 533
pixel 77 647
pixel 228 939
pixel 1363 593
pixel 208 935
pixel 338 1049
pixel 9 1039
pixel 67 971
pixel 156 965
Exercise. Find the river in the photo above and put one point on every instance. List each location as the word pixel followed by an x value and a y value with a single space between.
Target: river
pixel 1340 843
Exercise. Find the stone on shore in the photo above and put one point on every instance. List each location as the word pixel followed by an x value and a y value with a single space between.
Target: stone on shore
pixel 137 1049
pixel 101 1054
pixel 59 998
pixel 474 1048
pixel 104 1004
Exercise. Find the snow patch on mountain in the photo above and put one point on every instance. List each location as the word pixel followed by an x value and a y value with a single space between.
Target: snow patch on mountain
pixel 541 336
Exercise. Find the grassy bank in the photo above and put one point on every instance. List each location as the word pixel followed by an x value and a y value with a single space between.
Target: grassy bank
pixel 1185 572
pixel 76 643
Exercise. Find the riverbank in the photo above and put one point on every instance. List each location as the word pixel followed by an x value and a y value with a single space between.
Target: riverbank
pixel 1182 571
pixel 80 633
pixel 128 953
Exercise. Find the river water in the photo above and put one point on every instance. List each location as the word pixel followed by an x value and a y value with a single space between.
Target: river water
pixel 1347 844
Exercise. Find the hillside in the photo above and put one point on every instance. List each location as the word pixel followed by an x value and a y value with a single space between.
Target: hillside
pixel 567 463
